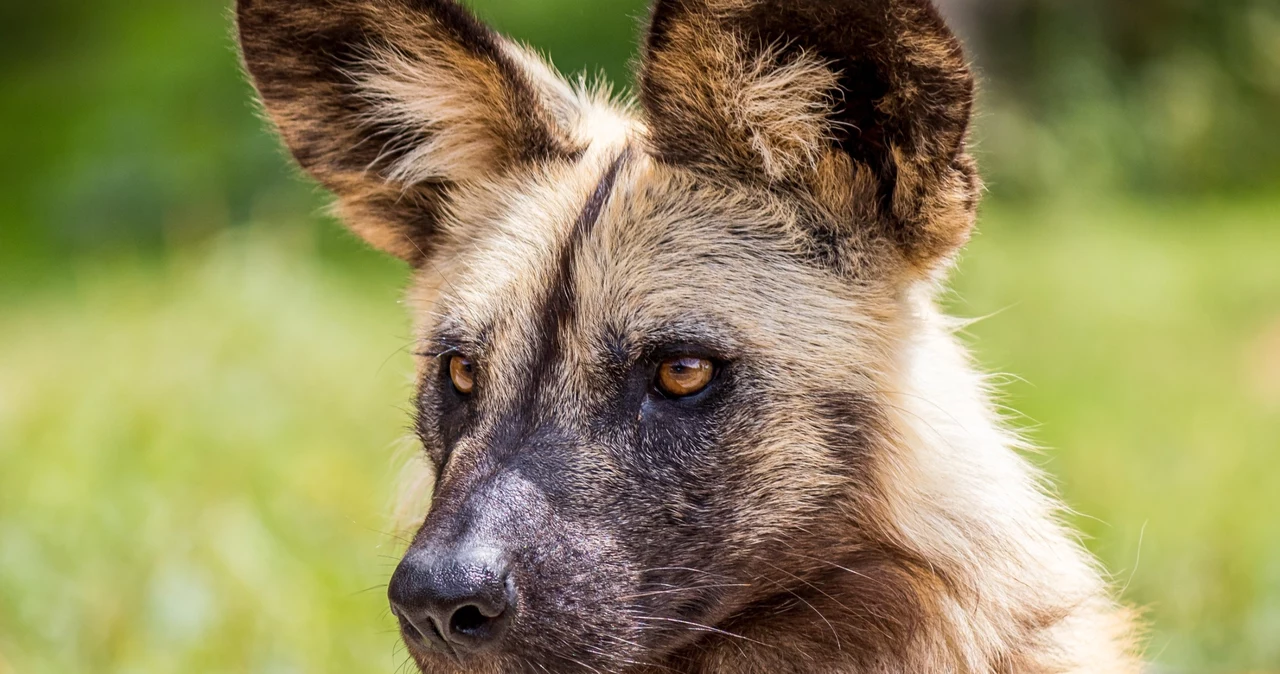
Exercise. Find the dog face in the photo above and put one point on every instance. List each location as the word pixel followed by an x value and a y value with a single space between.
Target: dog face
pixel 654 346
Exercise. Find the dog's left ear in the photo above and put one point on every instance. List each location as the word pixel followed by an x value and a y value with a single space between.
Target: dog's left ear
pixel 862 104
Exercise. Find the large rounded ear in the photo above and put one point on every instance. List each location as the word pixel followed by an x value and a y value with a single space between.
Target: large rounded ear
pixel 390 102
pixel 862 104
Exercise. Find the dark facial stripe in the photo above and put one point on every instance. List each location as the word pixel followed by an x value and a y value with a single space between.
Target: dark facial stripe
pixel 559 306
pixel 560 299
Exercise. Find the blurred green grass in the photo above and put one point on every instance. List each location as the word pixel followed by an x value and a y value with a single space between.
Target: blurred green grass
pixel 197 449
pixel 194 460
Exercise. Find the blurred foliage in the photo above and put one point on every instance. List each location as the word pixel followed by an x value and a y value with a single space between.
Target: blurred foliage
pixel 1153 96
pixel 127 122
pixel 191 480
pixel 122 119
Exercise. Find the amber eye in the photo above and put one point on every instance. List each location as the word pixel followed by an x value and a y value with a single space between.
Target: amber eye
pixel 462 372
pixel 685 376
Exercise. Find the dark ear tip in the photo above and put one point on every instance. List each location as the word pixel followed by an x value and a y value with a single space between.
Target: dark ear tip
pixel 269 9
pixel 249 14
pixel 245 8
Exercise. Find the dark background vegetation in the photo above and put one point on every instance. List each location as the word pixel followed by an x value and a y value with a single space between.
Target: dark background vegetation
pixel 201 375
pixel 124 119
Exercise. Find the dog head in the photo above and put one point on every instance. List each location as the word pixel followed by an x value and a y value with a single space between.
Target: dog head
pixel 654 344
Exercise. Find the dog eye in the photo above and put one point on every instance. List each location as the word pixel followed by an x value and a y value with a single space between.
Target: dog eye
pixel 685 376
pixel 462 373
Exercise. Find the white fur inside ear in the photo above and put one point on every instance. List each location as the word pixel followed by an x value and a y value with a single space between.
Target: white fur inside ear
pixel 588 110
pixel 453 112
pixel 785 110
pixel 429 96
pixel 769 108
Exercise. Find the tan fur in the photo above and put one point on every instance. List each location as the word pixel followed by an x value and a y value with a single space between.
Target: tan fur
pixel 886 515
pixel 773 118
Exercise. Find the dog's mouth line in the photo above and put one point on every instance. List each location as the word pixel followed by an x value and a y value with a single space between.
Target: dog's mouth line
pixel 628 648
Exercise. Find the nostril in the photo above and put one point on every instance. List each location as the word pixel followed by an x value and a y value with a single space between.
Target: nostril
pixel 424 628
pixel 469 621
pixel 464 602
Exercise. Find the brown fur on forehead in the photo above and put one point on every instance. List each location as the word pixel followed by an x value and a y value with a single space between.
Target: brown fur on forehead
pixel 863 105
pixel 673 248
pixel 390 102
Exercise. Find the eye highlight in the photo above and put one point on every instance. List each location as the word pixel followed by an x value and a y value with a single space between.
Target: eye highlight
pixel 684 376
pixel 462 374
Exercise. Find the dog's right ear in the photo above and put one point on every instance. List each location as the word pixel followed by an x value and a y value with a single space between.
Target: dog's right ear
pixel 388 103
pixel 863 104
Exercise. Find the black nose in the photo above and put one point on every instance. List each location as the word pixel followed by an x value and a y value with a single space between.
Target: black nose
pixel 464 601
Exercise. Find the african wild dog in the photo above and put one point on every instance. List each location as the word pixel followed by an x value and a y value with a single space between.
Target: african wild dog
pixel 687 400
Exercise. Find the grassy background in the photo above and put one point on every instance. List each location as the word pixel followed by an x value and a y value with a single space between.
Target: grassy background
pixel 202 384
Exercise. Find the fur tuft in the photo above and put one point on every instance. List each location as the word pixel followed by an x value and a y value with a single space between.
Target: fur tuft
pixel 854 102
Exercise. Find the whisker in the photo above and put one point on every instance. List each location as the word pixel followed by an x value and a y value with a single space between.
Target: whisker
pixel 806 602
pixel 367 589
pixel 683 589
pixel 704 628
